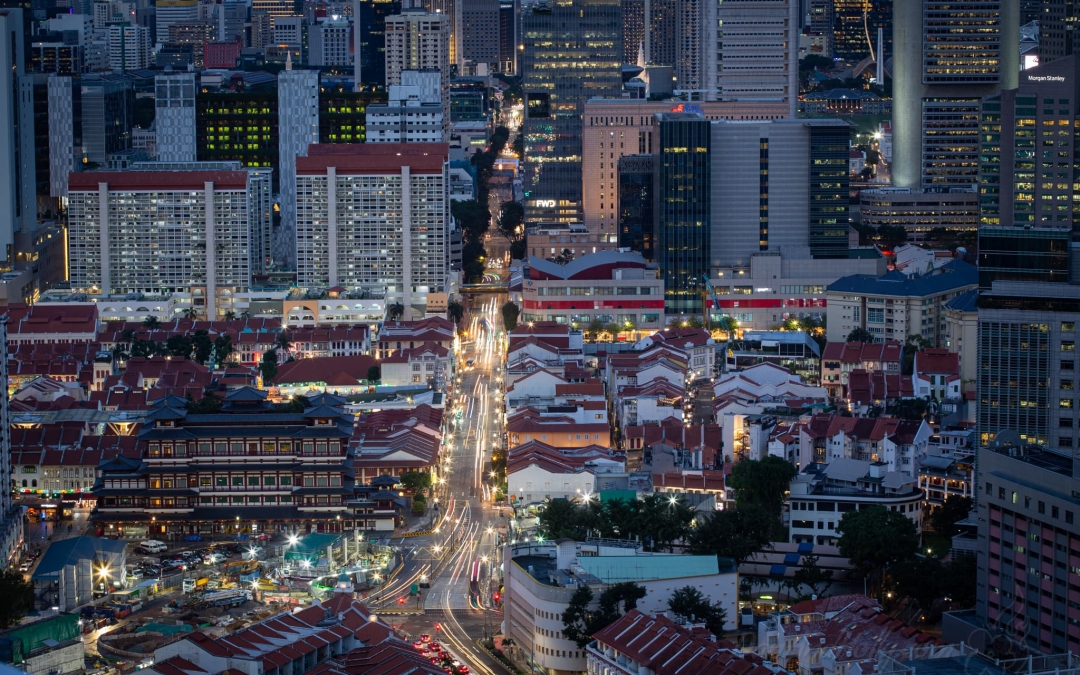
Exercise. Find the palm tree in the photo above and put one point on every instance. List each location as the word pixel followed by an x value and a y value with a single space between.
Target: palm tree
pixel 152 322
pixel 395 311
pixel 284 342
pixel 245 315
pixel 191 313
pixel 455 312
pixel 230 315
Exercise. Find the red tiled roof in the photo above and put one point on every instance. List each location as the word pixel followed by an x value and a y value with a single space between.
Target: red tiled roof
pixel 666 648
pixel 373 158
pixel 161 181
pixel 861 352
pixel 937 362
pixel 333 370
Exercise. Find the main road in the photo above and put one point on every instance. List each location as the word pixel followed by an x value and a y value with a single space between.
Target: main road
pixel 459 560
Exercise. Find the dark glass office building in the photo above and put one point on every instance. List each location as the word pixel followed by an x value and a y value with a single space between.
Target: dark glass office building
pixel 684 208
pixel 573 52
pixel 372 26
pixel 343 113
pixel 829 190
pixel 240 126
pixel 637 207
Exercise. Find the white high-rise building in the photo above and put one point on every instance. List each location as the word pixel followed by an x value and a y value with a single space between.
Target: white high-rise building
pixel 161 232
pixel 374 217
pixel 413 113
pixel 328 43
pixel 417 40
pixel 298 128
pixel 757 58
pixel 129 47
pixel 174 119
pixel 18 208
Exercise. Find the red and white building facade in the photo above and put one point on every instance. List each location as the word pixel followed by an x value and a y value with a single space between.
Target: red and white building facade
pixel 610 286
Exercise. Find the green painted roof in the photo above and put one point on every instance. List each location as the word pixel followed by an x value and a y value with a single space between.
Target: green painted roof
pixel 613 569
pixel 624 495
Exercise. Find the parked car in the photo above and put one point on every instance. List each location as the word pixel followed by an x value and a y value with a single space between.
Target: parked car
pixel 193 537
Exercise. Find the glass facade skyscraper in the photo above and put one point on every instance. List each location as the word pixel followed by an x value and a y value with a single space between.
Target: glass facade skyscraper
pixel 684 172
pixel 829 195
pixel 573 52
pixel 637 203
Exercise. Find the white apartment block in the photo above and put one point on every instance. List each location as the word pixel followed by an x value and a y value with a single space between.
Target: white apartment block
pixel 161 232
pixel 174 119
pixel 329 43
pixel 416 40
pixel 129 47
pixel 413 113
pixel 374 217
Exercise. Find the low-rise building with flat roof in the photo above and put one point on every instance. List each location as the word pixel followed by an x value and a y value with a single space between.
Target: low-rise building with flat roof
pixel 540 577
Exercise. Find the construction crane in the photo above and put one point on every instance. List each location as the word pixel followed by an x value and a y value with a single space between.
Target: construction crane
pixel 708 293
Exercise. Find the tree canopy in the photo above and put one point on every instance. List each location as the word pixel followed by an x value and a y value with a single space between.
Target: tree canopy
pixel 735 533
pixel 580 622
pixel 510 313
pixel 860 335
pixel 691 605
pixel 415 481
pixel 657 520
pixel 762 483
pixel 18 597
pixel 875 538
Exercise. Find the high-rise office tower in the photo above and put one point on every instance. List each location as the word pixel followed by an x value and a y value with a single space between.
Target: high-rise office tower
pixel 298 128
pixel 374 217
pixel 169 12
pixel 17 168
pixel 637 203
pixel 274 8
pixel 757 54
pixel 633 26
pixel 573 52
pixel 822 22
pixel 1058 21
pixel 174 117
pixel 451 9
pixel 697 47
pixel 261 29
pixel 712 212
pixel 369 33
pixel 684 207
pixel 65 133
pixel 942 57
pixel 419 40
pixel 108 114
pixel 479 25
pixel 129 47
pixel 855 26
pixel 508 36
pixel 238 126
pixel 123 232
pixel 1029 311
pixel 661 41
pixel 328 43
pixel 231 21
